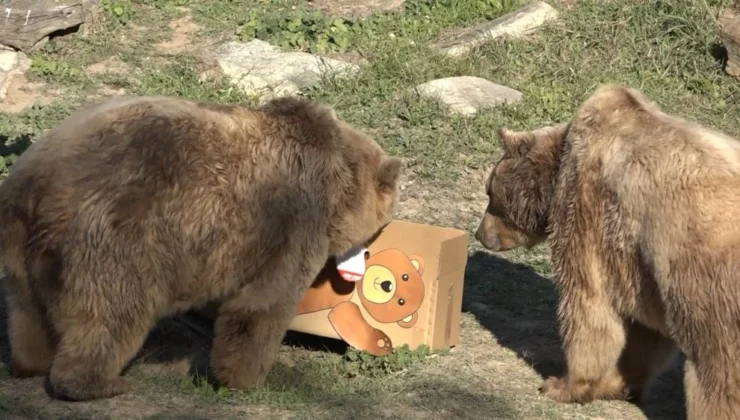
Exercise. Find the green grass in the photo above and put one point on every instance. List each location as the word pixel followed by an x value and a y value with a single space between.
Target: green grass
pixel 324 377
pixel 664 48
pixel 291 24
pixel 668 49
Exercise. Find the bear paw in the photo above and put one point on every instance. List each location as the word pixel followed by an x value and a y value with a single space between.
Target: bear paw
pixel 557 389
pixel 76 389
pixel 584 391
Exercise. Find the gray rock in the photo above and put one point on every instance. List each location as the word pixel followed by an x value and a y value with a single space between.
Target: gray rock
pixel 513 24
pixel 467 95
pixel 263 70
pixel 12 65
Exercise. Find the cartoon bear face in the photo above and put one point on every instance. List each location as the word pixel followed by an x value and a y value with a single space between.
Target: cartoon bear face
pixel 392 288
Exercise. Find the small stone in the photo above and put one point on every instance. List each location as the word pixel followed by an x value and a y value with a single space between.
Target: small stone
pixel 513 24
pixel 12 65
pixel 729 33
pixel 467 95
pixel 263 70
pixel 7 60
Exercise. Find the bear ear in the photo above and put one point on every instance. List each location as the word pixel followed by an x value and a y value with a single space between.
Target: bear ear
pixel 418 263
pixel 388 173
pixel 553 134
pixel 304 108
pixel 328 111
pixel 516 143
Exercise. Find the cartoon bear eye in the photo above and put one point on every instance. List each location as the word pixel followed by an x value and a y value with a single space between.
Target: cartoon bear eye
pixel 405 277
pixel 387 286
pixel 401 302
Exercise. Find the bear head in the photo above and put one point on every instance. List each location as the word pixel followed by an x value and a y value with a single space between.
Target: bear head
pixel 361 178
pixel 520 188
pixel 392 288
pixel 370 192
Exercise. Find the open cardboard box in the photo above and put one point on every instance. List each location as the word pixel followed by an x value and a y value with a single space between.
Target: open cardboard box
pixel 411 292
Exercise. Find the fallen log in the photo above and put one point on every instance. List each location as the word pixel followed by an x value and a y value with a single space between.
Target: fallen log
pixel 23 23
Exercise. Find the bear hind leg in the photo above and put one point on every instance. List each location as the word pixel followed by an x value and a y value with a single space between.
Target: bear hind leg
pixel 92 353
pixel 645 355
pixel 31 346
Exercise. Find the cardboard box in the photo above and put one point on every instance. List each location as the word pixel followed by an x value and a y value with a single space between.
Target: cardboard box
pixel 411 292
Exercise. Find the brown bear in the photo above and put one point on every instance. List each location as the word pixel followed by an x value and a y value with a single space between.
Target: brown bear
pixel 641 211
pixel 140 208
pixel 391 291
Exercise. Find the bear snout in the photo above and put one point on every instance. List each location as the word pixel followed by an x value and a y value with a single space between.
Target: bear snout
pixel 486 238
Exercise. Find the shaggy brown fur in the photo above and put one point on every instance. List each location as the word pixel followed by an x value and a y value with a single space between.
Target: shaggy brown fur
pixel 642 214
pixel 139 208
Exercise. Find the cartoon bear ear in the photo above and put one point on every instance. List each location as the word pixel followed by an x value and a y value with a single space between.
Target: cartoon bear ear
pixel 388 173
pixel 514 142
pixel 418 263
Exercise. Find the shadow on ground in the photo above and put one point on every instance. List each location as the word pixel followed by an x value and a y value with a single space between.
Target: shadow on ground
pixel 15 146
pixel 189 337
pixel 519 306
pixel 509 299
pixel 312 388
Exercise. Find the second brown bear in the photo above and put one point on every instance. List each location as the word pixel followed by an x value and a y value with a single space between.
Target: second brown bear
pixel 139 208
pixel 642 213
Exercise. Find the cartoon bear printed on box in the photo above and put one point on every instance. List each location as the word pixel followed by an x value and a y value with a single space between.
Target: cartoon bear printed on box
pixel 391 291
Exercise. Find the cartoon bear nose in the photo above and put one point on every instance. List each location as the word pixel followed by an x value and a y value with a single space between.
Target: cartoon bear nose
pixel 401 302
pixel 387 286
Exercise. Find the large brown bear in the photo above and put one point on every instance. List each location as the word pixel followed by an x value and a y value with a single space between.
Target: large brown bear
pixel 139 208
pixel 642 214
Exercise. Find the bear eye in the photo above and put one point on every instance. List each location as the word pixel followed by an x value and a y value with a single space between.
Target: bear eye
pixel 387 286
pixel 405 277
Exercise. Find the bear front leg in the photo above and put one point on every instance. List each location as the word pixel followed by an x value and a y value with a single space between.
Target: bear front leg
pixel 696 407
pixel 93 351
pixel 711 390
pixel 593 338
pixel 246 343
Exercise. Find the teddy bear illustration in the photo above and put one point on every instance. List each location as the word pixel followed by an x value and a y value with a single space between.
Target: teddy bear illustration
pixel 391 291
